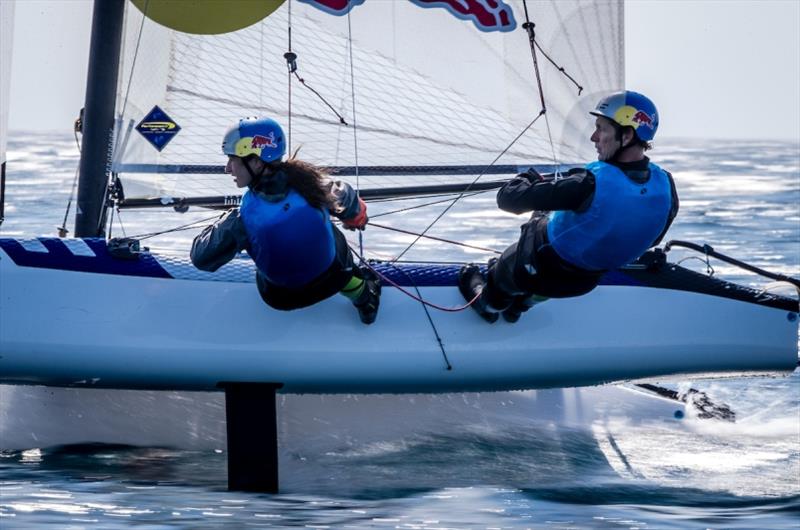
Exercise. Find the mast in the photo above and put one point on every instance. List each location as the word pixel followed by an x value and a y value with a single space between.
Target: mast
pixel 98 124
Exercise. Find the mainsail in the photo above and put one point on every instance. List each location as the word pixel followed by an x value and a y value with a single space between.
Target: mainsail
pixel 402 83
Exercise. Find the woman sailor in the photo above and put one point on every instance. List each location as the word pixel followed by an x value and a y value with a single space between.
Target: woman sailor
pixel 604 216
pixel 284 224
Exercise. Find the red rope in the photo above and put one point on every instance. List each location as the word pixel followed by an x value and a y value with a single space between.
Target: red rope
pixel 412 295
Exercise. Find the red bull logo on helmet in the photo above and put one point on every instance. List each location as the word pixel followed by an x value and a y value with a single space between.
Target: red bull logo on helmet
pixel 260 142
pixel 487 15
pixel 642 118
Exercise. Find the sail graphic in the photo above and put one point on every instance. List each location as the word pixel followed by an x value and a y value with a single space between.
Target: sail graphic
pixel 487 15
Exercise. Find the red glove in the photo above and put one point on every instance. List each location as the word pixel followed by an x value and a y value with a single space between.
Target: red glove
pixel 359 221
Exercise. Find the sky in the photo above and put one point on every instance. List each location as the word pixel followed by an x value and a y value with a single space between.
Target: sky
pixel 715 68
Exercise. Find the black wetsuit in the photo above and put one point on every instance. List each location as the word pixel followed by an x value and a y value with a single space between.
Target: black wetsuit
pixel 531 265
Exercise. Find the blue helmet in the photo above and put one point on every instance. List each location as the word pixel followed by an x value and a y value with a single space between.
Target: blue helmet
pixel 262 137
pixel 630 109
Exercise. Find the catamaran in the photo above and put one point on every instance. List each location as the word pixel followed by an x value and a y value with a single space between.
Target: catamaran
pixel 405 100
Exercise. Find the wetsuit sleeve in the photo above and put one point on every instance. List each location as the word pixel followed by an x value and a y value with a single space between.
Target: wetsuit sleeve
pixel 673 211
pixel 347 204
pixel 219 243
pixel 524 194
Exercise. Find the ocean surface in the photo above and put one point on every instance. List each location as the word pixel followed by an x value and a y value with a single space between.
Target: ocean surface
pixel 423 462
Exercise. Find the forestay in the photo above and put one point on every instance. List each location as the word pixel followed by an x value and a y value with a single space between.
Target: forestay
pixel 425 88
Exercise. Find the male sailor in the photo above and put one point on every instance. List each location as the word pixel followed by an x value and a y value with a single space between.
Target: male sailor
pixel 284 224
pixel 602 216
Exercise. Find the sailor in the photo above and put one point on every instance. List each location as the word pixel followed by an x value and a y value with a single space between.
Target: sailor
pixel 602 216
pixel 284 224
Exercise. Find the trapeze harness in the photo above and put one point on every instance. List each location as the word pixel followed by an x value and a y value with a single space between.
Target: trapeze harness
pixel 623 220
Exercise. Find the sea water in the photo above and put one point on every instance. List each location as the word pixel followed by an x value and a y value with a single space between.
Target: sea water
pixel 503 471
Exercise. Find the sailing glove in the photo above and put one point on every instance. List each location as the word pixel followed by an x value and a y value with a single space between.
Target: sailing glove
pixel 358 221
pixel 532 176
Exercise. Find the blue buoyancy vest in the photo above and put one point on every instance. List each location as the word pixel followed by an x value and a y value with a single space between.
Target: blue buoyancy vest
pixel 291 242
pixel 623 221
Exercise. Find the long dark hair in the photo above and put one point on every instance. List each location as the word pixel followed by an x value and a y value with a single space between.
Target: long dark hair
pixel 306 178
pixel 309 181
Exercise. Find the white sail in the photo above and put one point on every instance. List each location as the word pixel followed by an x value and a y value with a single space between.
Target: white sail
pixel 6 42
pixel 425 88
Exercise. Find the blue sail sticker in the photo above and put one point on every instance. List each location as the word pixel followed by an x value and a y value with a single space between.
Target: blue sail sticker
pixel 158 128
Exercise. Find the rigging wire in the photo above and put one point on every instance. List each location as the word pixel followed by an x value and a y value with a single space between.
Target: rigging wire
pixel 355 124
pixel 418 206
pixel 135 56
pixel 62 230
pixel 427 314
pixel 534 45
pixel 466 190
pixel 529 27
pixel 188 226
pixel 443 240
pixel 291 65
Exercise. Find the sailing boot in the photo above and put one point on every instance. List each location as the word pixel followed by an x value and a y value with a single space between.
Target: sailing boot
pixel 369 299
pixel 520 305
pixel 471 283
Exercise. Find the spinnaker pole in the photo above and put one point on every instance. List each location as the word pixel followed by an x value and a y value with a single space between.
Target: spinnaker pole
pixel 98 124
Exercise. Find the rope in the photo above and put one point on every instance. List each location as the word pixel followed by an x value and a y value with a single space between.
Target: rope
pixel 460 195
pixel 430 318
pixel 418 206
pixel 291 65
pixel 458 243
pixel 355 123
pixel 529 27
pixel 411 295
pixel 708 250
pixel 303 82
pixel 188 226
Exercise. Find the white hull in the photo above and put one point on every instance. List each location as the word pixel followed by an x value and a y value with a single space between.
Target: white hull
pixel 68 328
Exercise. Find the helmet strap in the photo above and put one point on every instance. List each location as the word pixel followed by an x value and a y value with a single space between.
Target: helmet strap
pixel 619 129
pixel 254 178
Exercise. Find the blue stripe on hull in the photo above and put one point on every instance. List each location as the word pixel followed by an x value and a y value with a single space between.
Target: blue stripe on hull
pixel 60 257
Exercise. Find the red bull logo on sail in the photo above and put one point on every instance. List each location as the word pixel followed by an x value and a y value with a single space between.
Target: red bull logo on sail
pixel 487 15
pixel 334 7
pixel 642 118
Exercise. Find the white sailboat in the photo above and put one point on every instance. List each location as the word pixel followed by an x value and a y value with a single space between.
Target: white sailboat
pixel 412 120
pixel 404 97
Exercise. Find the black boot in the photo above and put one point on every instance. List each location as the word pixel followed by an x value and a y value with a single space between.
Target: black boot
pixel 471 283
pixel 520 305
pixel 370 298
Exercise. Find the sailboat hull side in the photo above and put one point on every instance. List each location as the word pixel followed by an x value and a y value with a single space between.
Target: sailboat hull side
pixel 70 328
